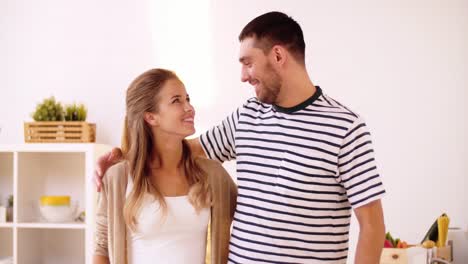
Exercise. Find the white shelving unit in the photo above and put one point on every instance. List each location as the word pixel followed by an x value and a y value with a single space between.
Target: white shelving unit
pixel 29 171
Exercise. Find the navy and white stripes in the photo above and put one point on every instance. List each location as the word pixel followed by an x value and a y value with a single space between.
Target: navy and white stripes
pixel 300 173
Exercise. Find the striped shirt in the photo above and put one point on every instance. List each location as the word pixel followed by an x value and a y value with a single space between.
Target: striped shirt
pixel 300 172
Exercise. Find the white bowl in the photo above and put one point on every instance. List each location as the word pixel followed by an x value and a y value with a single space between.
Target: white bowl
pixel 59 213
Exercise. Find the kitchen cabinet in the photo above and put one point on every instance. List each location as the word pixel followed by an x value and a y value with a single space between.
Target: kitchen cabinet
pixel 29 171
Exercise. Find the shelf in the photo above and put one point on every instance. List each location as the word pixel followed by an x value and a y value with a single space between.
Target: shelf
pixel 6 242
pixel 30 171
pixel 45 225
pixel 52 147
pixel 51 246
pixel 6 176
pixel 45 173
pixel 52 225
pixel 6 225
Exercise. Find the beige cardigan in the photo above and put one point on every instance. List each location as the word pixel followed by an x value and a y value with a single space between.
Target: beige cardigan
pixel 110 236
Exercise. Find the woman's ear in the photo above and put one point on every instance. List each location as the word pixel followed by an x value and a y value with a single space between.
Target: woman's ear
pixel 151 118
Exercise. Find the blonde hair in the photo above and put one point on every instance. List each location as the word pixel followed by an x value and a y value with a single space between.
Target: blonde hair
pixel 138 143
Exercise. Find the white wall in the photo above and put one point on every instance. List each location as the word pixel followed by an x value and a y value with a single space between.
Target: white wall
pixel 400 64
pixel 83 51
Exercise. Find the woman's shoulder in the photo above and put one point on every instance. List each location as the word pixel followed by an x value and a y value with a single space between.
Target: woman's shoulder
pixel 213 169
pixel 209 164
pixel 116 174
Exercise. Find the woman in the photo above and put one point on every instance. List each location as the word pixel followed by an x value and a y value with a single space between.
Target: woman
pixel 156 205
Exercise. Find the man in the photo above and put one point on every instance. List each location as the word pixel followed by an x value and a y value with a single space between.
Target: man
pixel 304 161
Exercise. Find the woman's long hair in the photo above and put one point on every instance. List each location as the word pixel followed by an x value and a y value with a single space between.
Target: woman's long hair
pixel 138 145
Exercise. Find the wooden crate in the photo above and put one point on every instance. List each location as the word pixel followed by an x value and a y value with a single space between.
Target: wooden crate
pixel 404 256
pixel 394 256
pixel 59 132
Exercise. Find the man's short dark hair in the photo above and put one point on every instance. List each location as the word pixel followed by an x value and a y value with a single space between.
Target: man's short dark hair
pixel 276 28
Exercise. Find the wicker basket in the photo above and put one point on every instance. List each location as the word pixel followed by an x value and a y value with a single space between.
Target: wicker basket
pixel 59 132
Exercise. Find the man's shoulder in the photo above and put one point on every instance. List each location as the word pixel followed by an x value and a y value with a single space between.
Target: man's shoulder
pixel 329 105
pixel 254 104
pixel 335 105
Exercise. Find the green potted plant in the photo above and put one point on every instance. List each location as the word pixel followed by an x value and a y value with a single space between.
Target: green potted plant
pixel 55 123
pixel 9 213
pixel 49 110
pixel 75 112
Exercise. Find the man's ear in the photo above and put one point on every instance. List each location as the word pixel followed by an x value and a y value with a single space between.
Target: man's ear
pixel 151 118
pixel 279 54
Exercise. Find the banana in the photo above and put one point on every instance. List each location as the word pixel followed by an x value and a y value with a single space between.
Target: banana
pixel 442 225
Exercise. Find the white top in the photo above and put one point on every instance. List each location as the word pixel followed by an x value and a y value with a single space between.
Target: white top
pixel 178 237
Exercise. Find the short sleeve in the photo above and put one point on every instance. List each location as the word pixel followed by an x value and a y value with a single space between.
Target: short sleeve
pixel 357 167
